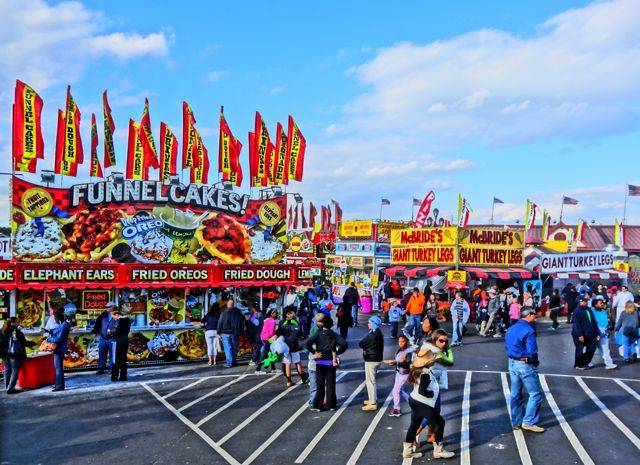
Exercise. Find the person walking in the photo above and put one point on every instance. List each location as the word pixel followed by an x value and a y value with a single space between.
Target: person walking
pixel 628 324
pixel 459 316
pixel 345 320
pixel 291 330
pixel 119 331
pixel 522 350
pixel 13 351
pixel 431 306
pixel 555 307
pixel 415 309
pixel 493 308
pixel 514 311
pixel 100 329
pixel 59 336
pixel 598 307
pixel 253 328
pixel 268 332
pixel 326 346
pixel 350 302
pixel 210 326
pixel 395 315
pixel 401 362
pixel 620 300
pixel 422 400
pixel 306 313
pixel 230 327
pixel 372 346
pixel 586 334
pixel 311 365
pixel 570 296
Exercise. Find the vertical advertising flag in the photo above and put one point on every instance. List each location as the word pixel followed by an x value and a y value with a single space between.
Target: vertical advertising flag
pixel 146 136
pixel 312 215
pixel 189 142
pixel 27 143
pixel 618 234
pixel 296 147
pixel 463 211
pixel 336 205
pixel 425 209
pixel 546 221
pixel 224 145
pixel 61 164
pixel 168 154
pixel 261 145
pixel 253 162
pixel 136 163
pixel 73 151
pixel 109 129
pixel 271 156
pixel 530 215
pixel 580 229
pixel 95 170
pixel 200 171
pixel 281 162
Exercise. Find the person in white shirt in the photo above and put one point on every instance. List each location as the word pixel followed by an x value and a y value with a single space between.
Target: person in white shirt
pixel 621 299
pixel 291 298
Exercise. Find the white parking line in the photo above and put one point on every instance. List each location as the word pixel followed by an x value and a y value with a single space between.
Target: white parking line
pixel 628 389
pixel 465 453
pixel 314 442
pixel 208 394
pixel 255 414
pixel 568 432
pixel 256 453
pixel 614 419
pixel 234 400
pixel 223 453
pixel 184 388
pixel 183 378
pixel 357 452
pixel 525 458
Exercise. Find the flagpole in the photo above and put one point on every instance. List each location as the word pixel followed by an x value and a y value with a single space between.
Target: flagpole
pixel 493 206
pixel 561 209
pixel 380 217
pixel 412 210
pixel 626 195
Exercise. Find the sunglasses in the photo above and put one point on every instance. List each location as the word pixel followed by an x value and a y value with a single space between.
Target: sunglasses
pixel 443 340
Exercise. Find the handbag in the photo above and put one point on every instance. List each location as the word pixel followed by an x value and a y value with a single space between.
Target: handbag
pixel 46 346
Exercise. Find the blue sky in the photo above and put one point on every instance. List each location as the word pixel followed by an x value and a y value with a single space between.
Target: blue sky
pixel 507 99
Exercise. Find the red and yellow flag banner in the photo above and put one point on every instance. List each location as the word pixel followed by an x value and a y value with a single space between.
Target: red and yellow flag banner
pixel 234 147
pixel 261 145
pixel 271 156
pixel 146 136
pixel 189 142
pixel 281 162
pixel 109 129
pixel 61 164
pixel 69 151
pixel 168 153
pixel 296 147
pixel 225 145
pixel 136 166
pixel 200 172
pixel 27 142
pixel 253 162
pixel 95 170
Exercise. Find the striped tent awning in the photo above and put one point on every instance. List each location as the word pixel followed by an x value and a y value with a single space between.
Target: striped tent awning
pixel 604 274
pixel 415 271
pixel 499 273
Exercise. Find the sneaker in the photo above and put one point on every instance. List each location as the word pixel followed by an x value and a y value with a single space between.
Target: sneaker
pixel 368 402
pixel 370 408
pixel 313 409
pixel 611 367
pixel 395 412
pixel 252 363
pixel 517 428
pixel 580 368
pixel 533 428
pixel 497 335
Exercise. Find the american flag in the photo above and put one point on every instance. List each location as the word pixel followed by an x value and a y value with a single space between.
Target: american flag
pixel 385 201
pixel 497 200
pixel 634 191
pixel 569 201
pixel 417 202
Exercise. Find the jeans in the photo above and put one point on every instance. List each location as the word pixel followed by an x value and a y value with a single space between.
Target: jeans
pixel 58 365
pixel 628 347
pixel 354 314
pixel 104 353
pixel 524 375
pixel 11 368
pixel 313 386
pixel 119 367
pixel 394 329
pixel 256 350
pixel 414 326
pixel 603 349
pixel 344 332
pixel 264 351
pixel 230 345
pixel 456 331
pixel 399 383
pixel 326 383
pixel 370 371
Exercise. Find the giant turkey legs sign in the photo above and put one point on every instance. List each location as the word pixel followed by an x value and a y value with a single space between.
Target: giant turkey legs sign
pixel 568 262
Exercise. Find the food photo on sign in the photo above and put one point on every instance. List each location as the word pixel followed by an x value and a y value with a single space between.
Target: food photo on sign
pixel 143 222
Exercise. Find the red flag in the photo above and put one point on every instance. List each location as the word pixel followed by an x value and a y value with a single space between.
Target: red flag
pixel 290 218
pixel 69 151
pixel 304 220
pixel 95 170
pixel 200 171
pixel 27 143
pixel 271 157
pixel 137 168
pixel 329 216
pixel 281 161
pixel 424 210
pixel 253 162
pixel 146 135
pixel 323 216
pixel 109 129
pixel 296 147
pixel 189 142
pixel 336 205
pixel 312 215
pixel 229 149
pixel 60 165
pixel 262 148
pixel 168 154
pixel 295 216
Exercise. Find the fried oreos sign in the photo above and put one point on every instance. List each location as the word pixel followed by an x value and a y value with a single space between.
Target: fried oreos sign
pixel 154 192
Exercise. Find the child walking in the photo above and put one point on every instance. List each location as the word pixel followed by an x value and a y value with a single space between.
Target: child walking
pixel 402 362
pixel 395 314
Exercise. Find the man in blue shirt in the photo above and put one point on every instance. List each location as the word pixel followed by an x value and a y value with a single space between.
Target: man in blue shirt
pixel 100 329
pixel 522 350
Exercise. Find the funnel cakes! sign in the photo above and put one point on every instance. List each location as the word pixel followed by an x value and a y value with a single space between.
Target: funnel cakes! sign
pixel 145 222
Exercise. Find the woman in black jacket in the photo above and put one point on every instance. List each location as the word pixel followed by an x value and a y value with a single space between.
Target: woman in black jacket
pixel 13 351
pixel 325 346
pixel 372 346
pixel 119 332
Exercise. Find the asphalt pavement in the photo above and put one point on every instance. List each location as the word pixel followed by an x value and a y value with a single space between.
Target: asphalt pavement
pixel 194 414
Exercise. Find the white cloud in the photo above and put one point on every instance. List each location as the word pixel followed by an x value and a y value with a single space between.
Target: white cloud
pixel 216 75
pixel 45 44
pixel 276 90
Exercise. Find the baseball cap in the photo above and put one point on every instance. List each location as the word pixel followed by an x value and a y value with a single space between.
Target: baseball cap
pixel 110 304
pixel 596 299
